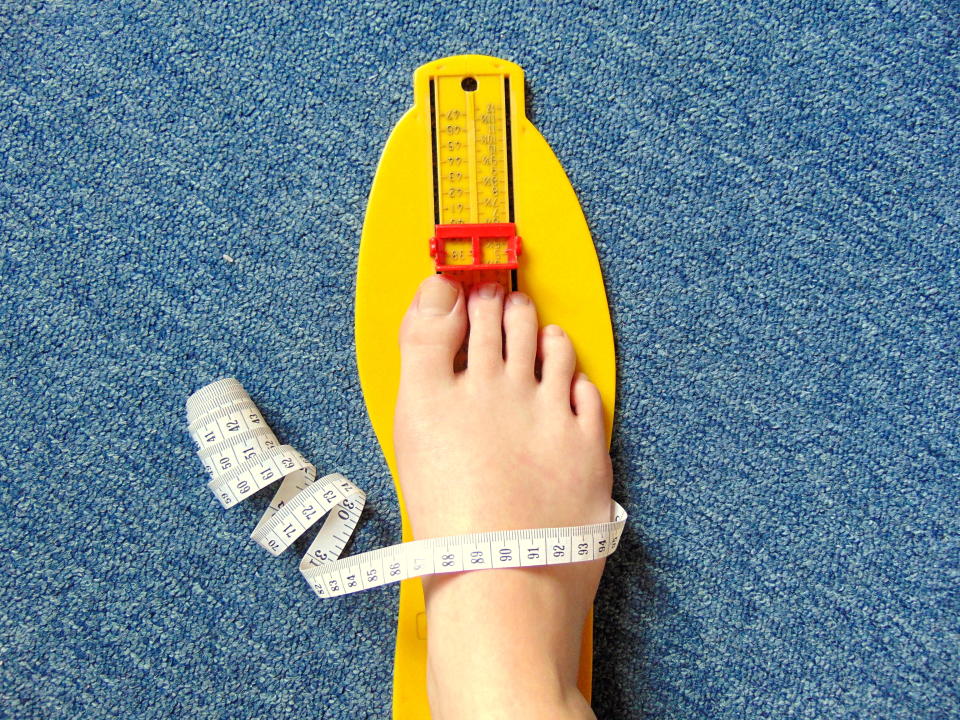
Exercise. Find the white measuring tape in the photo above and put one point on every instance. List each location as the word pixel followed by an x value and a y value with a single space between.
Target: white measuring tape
pixel 242 455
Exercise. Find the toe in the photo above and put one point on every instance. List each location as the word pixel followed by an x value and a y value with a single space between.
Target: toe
pixel 432 330
pixel 586 402
pixel 485 343
pixel 520 331
pixel 558 363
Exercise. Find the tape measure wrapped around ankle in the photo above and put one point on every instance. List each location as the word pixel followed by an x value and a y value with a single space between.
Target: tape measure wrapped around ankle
pixel 242 456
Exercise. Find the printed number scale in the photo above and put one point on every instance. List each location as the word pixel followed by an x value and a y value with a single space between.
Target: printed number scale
pixel 475 238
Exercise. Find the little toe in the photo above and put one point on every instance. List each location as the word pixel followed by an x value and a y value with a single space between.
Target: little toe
pixel 432 330
pixel 558 362
pixel 586 402
pixel 520 332
pixel 485 343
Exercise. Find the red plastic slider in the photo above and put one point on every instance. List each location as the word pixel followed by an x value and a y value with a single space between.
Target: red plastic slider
pixel 469 243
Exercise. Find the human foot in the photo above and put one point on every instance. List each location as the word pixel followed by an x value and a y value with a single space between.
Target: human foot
pixel 494 447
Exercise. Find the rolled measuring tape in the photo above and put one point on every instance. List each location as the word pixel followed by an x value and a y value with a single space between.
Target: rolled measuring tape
pixel 242 455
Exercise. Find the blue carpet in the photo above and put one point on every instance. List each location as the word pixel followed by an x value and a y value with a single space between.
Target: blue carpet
pixel 773 190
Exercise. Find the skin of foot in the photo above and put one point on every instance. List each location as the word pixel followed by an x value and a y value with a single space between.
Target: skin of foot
pixel 515 440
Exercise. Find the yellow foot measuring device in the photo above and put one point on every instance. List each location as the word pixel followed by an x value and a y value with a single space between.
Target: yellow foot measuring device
pixel 468 187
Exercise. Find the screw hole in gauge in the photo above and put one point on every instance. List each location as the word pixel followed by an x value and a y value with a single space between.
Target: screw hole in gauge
pixel 469 84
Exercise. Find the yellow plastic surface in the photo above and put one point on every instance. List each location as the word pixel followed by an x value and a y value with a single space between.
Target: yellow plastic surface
pixel 558 269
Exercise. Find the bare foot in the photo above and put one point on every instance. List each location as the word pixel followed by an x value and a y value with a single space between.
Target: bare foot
pixel 495 448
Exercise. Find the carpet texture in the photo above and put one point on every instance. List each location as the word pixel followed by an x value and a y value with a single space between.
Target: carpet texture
pixel 773 190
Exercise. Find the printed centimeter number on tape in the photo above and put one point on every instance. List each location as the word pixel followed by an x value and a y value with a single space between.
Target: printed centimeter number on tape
pixel 242 456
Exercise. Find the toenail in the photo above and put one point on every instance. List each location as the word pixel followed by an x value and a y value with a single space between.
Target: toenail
pixel 518 298
pixel 488 290
pixel 553 330
pixel 437 296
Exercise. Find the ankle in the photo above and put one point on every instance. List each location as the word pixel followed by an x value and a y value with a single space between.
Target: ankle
pixel 503 691
pixel 501 643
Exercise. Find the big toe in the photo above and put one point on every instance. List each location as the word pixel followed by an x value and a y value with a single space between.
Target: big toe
pixel 433 329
